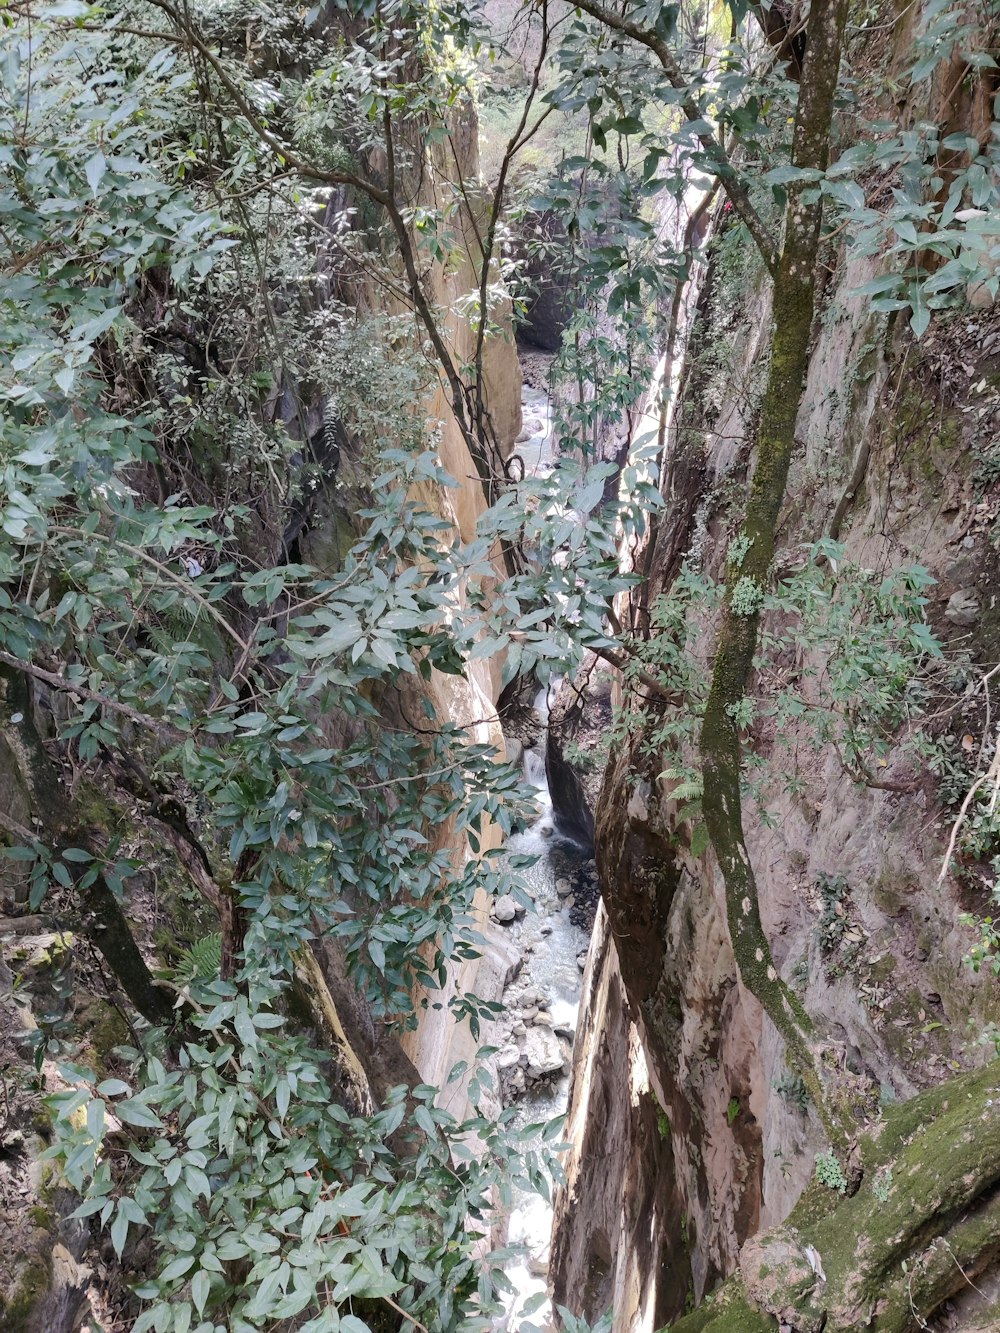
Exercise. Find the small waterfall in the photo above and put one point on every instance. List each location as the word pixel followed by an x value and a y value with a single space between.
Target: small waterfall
pixel 571 814
pixel 534 769
pixel 572 818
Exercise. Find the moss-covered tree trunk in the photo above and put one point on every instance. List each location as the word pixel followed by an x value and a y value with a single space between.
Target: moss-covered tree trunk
pixel 924 1226
pixel 63 820
pixel 751 554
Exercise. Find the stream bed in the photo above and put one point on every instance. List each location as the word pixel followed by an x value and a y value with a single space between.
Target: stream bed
pixel 536 1032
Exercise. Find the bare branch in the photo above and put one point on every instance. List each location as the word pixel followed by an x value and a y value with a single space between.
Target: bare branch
pixel 60 682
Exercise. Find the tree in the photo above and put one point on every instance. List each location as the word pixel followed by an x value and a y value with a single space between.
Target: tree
pixel 739 87
pixel 178 395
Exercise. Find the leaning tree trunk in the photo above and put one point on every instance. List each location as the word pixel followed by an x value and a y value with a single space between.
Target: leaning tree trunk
pixel 751 553
pixel 924 1226
pixel 65 821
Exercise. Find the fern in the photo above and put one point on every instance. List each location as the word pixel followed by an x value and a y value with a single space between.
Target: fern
pixel 202 961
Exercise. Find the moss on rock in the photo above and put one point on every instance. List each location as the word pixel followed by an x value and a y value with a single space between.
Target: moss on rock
pixel 17 1309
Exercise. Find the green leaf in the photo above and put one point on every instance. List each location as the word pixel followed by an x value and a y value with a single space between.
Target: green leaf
pixel 200 1286
pixel 119 1232
pixel 95 1120
pixel 177 1268
pixel 94 171
pixel 135 1112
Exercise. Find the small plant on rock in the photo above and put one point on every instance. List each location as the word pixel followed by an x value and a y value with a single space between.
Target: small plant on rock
pixel 830 1173
pixel 793 1090
pixel 833 920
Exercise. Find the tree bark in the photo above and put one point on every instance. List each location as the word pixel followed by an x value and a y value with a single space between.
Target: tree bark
pixel 69 822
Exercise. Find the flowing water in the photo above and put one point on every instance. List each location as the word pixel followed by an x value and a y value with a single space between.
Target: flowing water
pixel 545 996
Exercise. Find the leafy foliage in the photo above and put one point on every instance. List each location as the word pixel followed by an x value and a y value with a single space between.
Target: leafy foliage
pixel 161 312
pixel 190 362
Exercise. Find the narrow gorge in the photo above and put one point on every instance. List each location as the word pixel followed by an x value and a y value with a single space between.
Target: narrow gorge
pixel 499 641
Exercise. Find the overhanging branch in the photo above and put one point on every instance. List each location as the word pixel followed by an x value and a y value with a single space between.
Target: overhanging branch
pixel 731 183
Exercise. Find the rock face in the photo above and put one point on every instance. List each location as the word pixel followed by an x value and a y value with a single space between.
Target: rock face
pixel 548 310
pixel 646 1222
pixel 617 1235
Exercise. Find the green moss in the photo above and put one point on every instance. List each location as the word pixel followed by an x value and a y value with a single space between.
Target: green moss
pixel 31 1288
pixel 883 969
pixel 727 1311
pixel 887 893
pixel 105 1029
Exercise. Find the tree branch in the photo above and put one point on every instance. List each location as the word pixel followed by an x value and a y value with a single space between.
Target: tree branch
pixel 71 687
pixel 731 183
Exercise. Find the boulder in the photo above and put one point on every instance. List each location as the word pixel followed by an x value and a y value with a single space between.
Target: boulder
pixel 962 608
pixel 504 910
pixel 541 1053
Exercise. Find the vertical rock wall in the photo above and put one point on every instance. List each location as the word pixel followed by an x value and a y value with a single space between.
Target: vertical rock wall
pixel 890 432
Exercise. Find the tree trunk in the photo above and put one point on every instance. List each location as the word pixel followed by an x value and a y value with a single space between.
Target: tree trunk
pixel 64 822
pixel 924 1226
pixel 751 554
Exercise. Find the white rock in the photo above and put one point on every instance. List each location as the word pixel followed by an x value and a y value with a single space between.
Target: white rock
pixel 507 1057
pixel 638 808
pixel 962 608
pixel 504 909
pixel 543 1052
pixel 564 888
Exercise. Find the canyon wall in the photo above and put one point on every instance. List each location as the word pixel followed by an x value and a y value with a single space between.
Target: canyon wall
pixel 891 437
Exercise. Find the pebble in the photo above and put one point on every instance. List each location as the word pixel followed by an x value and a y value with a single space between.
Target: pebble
pixel 546 930
pixel 542 1019
pixel 564 888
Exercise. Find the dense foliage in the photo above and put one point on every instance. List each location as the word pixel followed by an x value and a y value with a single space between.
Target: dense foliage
pixel 227 241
